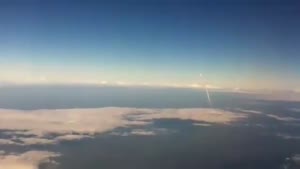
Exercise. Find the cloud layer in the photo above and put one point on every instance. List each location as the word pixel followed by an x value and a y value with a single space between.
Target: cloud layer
pixel 34 127
pixel 50 127
pixel 27 160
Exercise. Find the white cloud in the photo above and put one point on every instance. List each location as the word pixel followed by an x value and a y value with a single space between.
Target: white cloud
pixel 287 119
pixel 71 137
pixel 135 132
pixel 273 116
pixel 196 114
pixel 64 121
pixel 27 160
pixel 23 74
pixel 36 125
pixel 249 111
pixel 142 132
pixel 26 141
pixel 35 141
pixel 202 124
pixel 287 136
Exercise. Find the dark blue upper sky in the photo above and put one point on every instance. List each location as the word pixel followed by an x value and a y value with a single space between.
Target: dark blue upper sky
pixel 245 44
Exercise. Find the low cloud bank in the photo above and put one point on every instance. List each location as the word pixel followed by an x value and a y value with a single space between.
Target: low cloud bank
pixel 27 160
pixel 54 126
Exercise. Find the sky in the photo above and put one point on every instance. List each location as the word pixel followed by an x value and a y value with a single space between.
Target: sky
pixel 150 84
pixel 233 44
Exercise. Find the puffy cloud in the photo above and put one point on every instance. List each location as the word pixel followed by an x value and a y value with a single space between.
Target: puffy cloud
pixel 36 126
pixel 27 160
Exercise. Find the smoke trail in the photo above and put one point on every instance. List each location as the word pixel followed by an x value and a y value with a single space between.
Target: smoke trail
pixel 207 92
pixel 208 96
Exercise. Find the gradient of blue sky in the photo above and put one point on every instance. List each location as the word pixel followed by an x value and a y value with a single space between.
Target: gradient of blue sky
pixel 234 44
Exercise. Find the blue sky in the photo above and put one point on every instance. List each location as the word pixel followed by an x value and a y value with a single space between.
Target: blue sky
pixel 237 44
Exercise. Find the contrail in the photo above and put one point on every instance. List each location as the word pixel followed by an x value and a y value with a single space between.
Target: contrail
pixel 208 96
pixel 207 92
